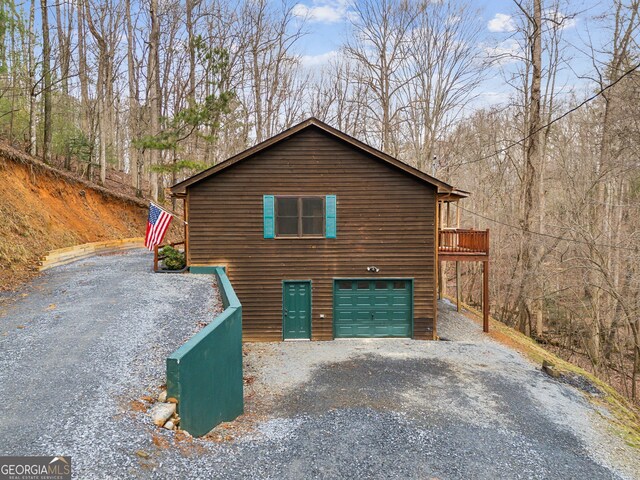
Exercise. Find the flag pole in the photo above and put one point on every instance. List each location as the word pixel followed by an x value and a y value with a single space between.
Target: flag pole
pixel 173 214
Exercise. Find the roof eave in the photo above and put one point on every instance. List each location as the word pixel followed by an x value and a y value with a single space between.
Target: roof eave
pixel 180 188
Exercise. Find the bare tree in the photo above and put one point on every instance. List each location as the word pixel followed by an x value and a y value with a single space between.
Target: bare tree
pixel 101 87
pixel 46 75
pixel 31 62
pixel 379 44
pixel 153 91
pixel 271 65
pixel 444 69
pixel 64 24
pixel 135 162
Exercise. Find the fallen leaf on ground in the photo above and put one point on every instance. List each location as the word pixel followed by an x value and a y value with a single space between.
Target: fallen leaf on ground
pixel 51 307
pixel 138 406
pixel 142 454
pixel 159 441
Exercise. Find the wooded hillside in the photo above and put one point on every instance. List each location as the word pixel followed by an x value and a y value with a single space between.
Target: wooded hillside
pixel 43 208
pixel 160 90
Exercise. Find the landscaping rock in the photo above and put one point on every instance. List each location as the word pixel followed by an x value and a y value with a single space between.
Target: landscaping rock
pixel 550 369
pixel 163 396
pixel 161 412
pixel 169 425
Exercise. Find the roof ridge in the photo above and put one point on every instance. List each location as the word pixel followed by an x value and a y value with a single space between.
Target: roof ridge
pixel 179 188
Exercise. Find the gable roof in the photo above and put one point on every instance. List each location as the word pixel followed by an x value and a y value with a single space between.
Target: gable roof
pixel 180 189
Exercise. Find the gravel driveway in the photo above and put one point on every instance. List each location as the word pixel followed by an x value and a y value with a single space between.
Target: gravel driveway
pixel 83 341
pixel 96 334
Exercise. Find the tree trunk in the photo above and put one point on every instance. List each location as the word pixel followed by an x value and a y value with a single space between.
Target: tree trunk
pixel 134 158
pixel 529 298
pixel 64 42
pixel 101 90
pixel 84 85
pixel 153 96
pixel 32 83
pixel 46 73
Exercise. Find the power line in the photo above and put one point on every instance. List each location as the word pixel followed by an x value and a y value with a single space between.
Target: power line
pixel 515 227
pixel 560 117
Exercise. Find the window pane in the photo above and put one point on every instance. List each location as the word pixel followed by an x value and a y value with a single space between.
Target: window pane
pixel 398 285
pixel 313 225
pixel 344 285
pixel 381 285
pixel 287 226
pixel 287 207
pixel 363 285
pixel 312 207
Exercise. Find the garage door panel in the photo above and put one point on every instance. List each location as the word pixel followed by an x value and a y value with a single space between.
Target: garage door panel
pixel 382 300
pixel 400 301
pixel 342 300
pixel 362 299
pixel 372 308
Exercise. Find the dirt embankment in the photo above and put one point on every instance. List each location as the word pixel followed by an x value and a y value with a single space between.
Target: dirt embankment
pixel 42 208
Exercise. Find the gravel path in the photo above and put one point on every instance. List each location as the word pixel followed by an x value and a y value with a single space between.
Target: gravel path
pixel 95 337
pixel 97 332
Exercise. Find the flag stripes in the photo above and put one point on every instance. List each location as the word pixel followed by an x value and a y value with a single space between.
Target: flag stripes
pixel 157 225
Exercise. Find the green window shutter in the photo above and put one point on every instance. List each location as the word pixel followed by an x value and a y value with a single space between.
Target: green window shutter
pixel 330 216
pixel 268 216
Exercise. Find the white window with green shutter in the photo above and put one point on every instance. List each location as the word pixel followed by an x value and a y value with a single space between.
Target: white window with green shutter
pixel 297 216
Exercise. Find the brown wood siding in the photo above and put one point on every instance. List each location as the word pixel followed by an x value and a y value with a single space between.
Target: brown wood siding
pixel 385 218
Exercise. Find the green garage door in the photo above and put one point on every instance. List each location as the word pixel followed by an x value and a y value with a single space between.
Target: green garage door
pixel 372 308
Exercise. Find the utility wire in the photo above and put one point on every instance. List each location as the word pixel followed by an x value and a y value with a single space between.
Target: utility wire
pixel 515 227
pixel 568 112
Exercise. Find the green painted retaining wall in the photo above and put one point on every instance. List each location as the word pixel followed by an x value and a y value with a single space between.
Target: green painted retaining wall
pixel 205 374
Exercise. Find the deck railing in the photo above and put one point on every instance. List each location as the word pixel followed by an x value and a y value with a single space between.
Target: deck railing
pixel 464 241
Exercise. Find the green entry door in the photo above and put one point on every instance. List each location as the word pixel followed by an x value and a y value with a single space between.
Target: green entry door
pixel 296 309
pixel 372 308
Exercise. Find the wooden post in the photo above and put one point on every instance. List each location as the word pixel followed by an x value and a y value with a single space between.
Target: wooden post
pixel 155 258
pixel 448 214
pixel 442 281
pixel 485 296
pixel 458 282
pixel 186 229
pixel 437 252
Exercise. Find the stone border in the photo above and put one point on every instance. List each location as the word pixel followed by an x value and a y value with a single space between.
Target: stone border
pixel 63 256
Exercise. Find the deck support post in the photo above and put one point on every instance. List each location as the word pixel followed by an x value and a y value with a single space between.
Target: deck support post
pixel 458 282
pixel 485 296
pixel 186 229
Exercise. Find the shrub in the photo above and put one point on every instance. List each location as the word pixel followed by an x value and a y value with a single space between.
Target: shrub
pixel 173 259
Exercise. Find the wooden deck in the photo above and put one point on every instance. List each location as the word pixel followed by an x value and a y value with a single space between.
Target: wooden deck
pixel 466 245
pixel 463 245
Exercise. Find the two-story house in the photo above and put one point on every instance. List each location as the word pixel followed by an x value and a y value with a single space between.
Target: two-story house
pixel 322 236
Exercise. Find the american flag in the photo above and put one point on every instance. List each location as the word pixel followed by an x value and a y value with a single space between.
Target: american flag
pixel 157 225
